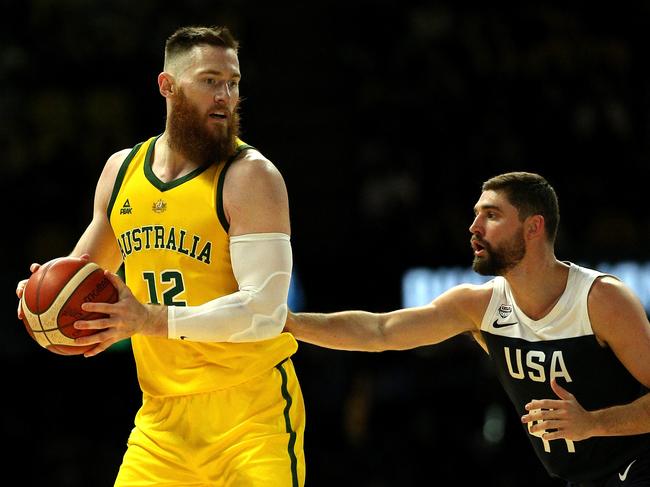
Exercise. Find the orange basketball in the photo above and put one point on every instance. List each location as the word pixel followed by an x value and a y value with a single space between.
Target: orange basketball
pixel 52 300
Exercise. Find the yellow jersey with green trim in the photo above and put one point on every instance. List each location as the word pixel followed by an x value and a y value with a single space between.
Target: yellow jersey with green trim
pixel 175 246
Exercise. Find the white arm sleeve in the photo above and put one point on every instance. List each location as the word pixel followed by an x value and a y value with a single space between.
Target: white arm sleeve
pixel 261 263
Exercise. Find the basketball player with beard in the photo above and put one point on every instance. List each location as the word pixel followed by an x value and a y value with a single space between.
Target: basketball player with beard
pixel 200 221
pixel 570 345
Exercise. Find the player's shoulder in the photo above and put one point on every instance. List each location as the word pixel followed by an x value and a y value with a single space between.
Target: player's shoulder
pixel 115 161
pixel 610 300
pixel 473 291
pixel 615 310
pixel 112 167
pixel 252 159
pixel 464 304
pixel 117 158
pixel 252 167
pixel 611 290
pixel 471 297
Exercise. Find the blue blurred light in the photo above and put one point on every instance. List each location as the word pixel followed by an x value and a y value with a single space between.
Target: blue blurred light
pixel 421 285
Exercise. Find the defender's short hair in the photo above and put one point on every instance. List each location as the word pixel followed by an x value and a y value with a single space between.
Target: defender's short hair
pixel 531 194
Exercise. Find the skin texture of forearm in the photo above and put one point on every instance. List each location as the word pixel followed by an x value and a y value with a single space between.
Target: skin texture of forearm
pixel 630 419
pixel 348 330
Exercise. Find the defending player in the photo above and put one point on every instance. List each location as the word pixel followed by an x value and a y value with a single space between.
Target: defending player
pixel 571 346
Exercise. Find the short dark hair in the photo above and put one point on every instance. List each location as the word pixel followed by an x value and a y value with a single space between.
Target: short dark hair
pixel 531 194
pixel 185 38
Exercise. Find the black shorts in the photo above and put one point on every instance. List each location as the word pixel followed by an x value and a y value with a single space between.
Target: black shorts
pixel 635 473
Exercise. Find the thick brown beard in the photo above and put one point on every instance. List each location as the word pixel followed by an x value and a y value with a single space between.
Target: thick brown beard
pixel 500 260
pixel 189 134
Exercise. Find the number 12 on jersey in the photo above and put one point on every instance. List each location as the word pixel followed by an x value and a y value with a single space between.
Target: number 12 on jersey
pixel 169 284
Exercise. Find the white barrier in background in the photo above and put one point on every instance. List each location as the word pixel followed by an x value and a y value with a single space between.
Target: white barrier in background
pixel 421 285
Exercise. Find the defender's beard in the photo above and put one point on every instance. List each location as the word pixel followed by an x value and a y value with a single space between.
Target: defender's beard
pixel 190 134
pixel 498 261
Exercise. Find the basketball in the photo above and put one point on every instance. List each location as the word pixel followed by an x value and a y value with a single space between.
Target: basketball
pixel 52 299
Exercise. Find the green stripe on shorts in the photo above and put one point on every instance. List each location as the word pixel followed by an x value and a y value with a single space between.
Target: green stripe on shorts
pixel 287 420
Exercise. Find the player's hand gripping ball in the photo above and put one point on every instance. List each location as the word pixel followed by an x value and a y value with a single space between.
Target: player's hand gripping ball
pixel 52 300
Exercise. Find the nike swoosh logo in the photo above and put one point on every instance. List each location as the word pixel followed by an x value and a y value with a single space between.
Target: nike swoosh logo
pixel 496 324
pixel 623 475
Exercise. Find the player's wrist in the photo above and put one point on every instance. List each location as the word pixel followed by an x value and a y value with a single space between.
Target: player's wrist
pixel 156 321
pixel 597 423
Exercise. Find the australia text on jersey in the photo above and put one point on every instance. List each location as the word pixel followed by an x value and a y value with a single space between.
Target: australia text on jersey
pixel 150 237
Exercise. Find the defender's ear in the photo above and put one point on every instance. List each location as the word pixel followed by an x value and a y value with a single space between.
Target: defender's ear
pixel 534 227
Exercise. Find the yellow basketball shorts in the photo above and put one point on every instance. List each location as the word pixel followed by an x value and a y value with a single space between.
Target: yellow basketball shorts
pixel 247 435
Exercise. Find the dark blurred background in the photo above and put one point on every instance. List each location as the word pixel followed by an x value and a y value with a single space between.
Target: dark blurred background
pixel 384 118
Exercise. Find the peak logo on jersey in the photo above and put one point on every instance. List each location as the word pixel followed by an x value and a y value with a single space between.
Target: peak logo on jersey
pixel 126 208
pixel 159 206
pixel 505 310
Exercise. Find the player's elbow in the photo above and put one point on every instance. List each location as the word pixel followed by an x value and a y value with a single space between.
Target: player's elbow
pixel 266 321
pixel 381 339
pixel 234 318
pixel 387 336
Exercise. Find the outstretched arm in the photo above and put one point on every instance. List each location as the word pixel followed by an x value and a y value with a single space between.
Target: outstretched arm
pixel 619 322
pixel 456 311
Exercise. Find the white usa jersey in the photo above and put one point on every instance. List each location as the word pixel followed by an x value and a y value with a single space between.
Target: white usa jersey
pixel 529 353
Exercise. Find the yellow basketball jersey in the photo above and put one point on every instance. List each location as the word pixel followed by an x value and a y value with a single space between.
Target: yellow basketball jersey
pixel 175 246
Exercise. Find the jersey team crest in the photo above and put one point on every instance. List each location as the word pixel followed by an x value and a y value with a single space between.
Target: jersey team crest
pixel 159 206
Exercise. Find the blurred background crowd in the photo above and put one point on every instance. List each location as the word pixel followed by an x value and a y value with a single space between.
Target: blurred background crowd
pixel 384 117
